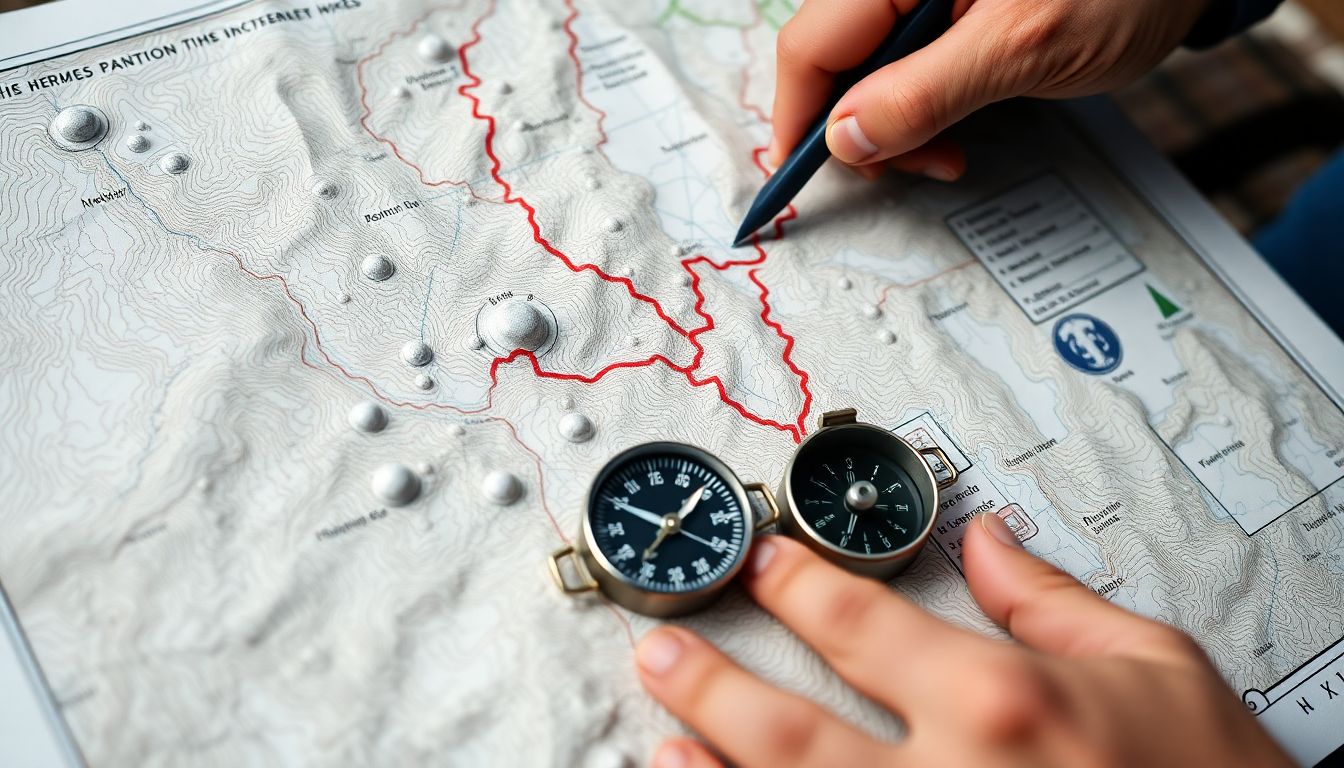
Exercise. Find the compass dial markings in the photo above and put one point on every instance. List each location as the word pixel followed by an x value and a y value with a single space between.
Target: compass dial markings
pixel 822 486
pixel 698 553
pixel 888 509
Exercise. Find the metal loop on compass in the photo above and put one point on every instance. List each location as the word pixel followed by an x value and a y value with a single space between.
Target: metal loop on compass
pixel 588 585
pixel 938 454
pixel 770 503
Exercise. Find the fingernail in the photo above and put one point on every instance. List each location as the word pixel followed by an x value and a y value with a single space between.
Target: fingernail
pixel 940 173
pixel 658 652
pixel 762 554
pixel 771 150
pixel 847 142
pixel 999 529
pixel 671 756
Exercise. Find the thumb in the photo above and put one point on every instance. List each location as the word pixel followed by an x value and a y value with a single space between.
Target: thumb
pixel 903 105
pixel 1049 610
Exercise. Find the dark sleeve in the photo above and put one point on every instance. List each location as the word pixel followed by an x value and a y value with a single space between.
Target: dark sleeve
pixel 1225 18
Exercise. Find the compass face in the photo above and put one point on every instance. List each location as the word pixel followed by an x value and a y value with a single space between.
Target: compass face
pixel 856 496
pixel 669 518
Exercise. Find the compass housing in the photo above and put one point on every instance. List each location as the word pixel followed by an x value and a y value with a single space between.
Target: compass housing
pixel 841 431
pixel 596 569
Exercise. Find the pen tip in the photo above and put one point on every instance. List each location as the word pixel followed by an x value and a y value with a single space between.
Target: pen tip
pixel 744 235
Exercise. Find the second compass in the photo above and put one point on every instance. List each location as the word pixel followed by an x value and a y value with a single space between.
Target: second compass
pixel 860 496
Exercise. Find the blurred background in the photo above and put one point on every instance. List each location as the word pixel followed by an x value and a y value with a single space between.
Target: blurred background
pixel 1247 121
pixel 1250 120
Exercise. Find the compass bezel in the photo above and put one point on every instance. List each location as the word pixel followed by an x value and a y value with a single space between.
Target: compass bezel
pixel 624 590
pixel 883 565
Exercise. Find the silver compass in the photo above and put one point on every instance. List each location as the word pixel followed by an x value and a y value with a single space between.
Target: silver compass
pixel 860 496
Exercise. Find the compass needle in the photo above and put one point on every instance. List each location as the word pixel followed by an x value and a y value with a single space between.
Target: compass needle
pixel 642 514
pixel 688 506
pixel 888 521
pixel 871 529
pixel 652 549
pixel 704 528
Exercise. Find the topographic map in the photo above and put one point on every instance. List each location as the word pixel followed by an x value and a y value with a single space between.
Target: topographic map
pixel 191 308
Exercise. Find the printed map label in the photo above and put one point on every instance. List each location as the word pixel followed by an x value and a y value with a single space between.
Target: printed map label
pixel 1044 246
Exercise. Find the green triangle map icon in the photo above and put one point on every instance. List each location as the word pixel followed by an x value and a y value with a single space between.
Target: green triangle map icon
pixel 1164 305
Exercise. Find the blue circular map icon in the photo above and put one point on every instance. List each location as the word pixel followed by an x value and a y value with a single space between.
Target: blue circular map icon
pixel 1088 344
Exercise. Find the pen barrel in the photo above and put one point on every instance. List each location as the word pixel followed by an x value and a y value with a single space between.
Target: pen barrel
pixel 929 20
pixel 919 28
pixel 926 23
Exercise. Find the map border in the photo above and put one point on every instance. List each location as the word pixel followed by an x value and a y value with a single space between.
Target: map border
pixel 1309 371
pixel 136 29
pixel 1100 124
pixel 1097 121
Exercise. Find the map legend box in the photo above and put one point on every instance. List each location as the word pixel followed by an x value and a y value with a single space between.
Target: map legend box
pixel 1045 246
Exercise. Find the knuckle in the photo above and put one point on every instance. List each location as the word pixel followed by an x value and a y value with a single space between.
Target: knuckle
pixel 791 47
pixel 914 108
pixel 1044 45
pixel 1037 30
pixel 700 681
pixel 1051 583
pixel 850 610
pixel 1042 590
pixel 791 730
pixel 1013 699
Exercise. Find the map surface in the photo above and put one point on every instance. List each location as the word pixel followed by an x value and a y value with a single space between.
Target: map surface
pixel 189 535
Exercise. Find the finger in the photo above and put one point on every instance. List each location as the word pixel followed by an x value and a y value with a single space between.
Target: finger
pixel 750 722
pixel 869 172
pixel 1050 610
pixel 823 38
pixel 853 622
pixel 941 159
pixel 905 104
pixel 684 753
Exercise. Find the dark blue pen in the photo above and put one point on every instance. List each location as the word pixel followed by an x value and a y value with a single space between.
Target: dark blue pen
pixel 928 21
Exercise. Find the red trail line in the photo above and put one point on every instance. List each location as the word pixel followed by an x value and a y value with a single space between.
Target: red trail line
pixel 513 431
pixel 510 197
pixel 317 344
pixel 541 496
pixel 788 348
pixel 882 295
pixel 578 71
pixel 368 111
pixel 467 90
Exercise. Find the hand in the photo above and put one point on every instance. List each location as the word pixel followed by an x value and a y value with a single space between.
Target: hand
pixel 1086 683
pixel 996 49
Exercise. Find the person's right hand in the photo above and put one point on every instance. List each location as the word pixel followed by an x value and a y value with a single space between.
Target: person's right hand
pixel 1086 684
pixel 996 49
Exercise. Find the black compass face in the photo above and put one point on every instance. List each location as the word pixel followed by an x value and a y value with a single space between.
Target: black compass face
pixel 669 519
pixel 856 497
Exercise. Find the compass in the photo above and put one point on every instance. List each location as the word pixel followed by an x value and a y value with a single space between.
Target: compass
pixel 666 527
pixel 860 496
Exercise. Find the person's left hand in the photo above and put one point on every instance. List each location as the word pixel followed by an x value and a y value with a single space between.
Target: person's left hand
pixel 1090 684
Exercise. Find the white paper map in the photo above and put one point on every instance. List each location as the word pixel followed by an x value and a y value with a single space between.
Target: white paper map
pixel 190 537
